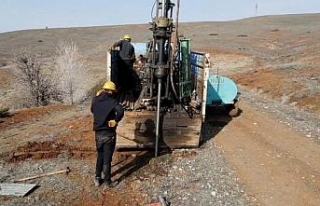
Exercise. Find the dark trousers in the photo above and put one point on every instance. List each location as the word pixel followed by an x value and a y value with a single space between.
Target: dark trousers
pixel 105 148
pixel 127 66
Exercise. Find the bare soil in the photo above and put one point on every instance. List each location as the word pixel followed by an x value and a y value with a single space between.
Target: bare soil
pixel 273 159
pixel 272 148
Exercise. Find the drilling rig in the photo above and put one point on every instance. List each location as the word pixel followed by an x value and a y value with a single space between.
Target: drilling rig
pixel 167 105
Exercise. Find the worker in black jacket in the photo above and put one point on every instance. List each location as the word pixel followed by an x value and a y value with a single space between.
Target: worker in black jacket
pixel 106 114
pixel 127 59
pixel 127 53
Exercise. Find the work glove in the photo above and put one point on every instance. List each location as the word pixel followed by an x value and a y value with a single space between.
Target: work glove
pixel 112 123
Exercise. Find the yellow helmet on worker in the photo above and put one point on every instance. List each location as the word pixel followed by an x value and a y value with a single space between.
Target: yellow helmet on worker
pixel 127 37
pixel 109 85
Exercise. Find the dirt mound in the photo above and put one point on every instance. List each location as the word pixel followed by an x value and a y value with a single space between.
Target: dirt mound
pixel 46 150
pixel 30 115
pixel 297 87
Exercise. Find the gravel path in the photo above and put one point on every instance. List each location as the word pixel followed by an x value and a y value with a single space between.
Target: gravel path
pixel 193 177
pixel 304 121
pixel 204 177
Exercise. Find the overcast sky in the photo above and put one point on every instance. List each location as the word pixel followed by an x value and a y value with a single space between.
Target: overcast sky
pixel 38 14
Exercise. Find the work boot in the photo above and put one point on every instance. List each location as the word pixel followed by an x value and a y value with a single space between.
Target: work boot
pixel 97 181
pixel 108 184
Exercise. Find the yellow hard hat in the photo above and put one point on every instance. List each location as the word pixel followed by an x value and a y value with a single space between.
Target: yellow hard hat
pixel 126 36
pixel 109 85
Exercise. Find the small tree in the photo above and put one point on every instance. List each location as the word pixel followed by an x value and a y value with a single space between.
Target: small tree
pixel 71 66
pixel 32 81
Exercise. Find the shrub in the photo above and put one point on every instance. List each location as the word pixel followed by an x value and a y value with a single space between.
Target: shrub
pixel 4 112
pixel 72 71
pixel 3 63
pixel 33 84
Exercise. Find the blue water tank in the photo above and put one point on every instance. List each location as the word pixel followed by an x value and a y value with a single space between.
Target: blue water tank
pixel 221 90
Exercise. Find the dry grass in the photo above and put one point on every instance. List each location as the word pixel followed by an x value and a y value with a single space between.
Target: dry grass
pixel 265 53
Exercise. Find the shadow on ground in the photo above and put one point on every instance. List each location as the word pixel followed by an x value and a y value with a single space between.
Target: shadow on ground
pixel 216 120
pixel 129 164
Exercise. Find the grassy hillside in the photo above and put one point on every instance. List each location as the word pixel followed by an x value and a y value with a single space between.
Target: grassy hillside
pixel 285 43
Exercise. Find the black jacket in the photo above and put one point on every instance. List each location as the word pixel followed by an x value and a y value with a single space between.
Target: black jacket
pixel 104 108
pixel 126 50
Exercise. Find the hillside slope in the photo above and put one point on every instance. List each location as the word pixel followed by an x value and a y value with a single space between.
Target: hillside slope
pixel 285 46
pixel 266 156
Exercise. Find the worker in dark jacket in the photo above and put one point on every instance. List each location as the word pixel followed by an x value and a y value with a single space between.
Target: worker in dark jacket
pixel 127 53
pixel 127 57
pixel 106 114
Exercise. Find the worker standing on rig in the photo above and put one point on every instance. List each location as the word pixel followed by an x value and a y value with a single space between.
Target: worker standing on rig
pixel 127 57
pixel 107 112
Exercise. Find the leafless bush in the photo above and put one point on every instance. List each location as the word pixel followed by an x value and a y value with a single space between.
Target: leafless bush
pixel 4 112
pixel 242 35
pixel 33 84
pixel 71 66
pixel 3 63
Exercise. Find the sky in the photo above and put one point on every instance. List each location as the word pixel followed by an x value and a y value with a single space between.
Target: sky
pixel 39 14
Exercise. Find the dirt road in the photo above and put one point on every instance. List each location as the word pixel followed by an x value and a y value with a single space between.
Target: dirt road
pixel 277 164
